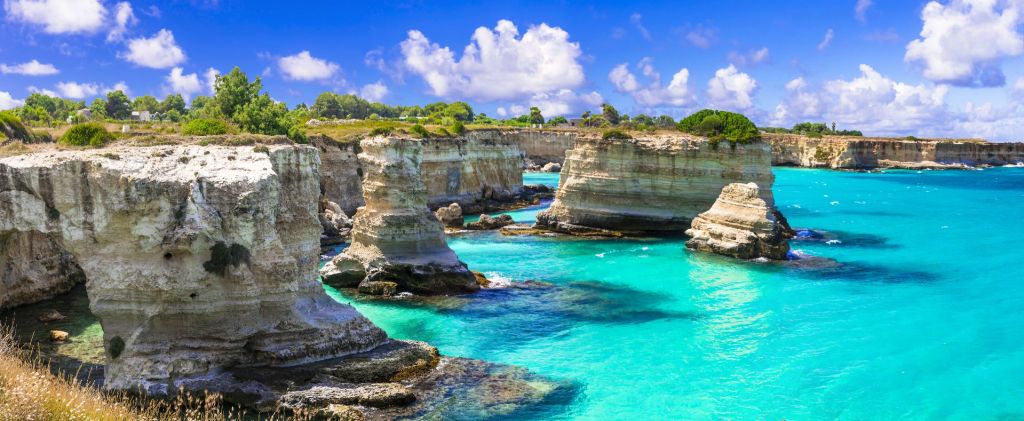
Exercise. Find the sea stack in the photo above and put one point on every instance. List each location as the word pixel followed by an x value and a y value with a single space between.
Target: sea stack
pixel 398 245
pixel 652 184
pixel 743 223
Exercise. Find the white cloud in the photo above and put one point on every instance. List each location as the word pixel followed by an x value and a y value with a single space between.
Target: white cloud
pixel 498 64
pixel 861 8
pixel 123 18
pixel 870 102
pixel 119 86
pixel 58 16
pixel 374 91
pixel 829 34
pixel 752 57
pixel 677 93
pixel 702 37
pixel 180 83
pixel 731 89
pixel 305 67
pixel 962 43
pixel 564 102
pixel 158 52
pixel 74 90
pixel 29 68
pixel 211 80
pixel 7 101
pixel 638 21
pixel 43 91
pixel 1018 87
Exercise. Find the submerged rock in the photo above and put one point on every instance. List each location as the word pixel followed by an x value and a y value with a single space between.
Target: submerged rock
pixel 487 222
pixel 395 237
pixel 742 224
pixel 450 216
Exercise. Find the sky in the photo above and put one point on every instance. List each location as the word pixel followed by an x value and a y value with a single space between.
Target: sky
pixel 950 68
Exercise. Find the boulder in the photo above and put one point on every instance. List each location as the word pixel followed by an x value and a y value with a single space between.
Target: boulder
pixel 741 224
pixel 336 225
pixel 343 272
pixel 487 222
pixel 58 335
pixel 450 216
pixel 552 167
pixel 50 316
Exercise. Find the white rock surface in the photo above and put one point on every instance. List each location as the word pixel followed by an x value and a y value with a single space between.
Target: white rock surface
pixel 741 224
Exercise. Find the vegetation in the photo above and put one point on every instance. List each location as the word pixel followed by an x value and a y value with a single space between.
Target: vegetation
pixel 458 128
pixel 86 134
pixel 381 131
pixel 610 114
pixel 118 107
pixel 535 116
pixel 419 131
pixel 12 128
pixel 615 134
pixel 205 127
pixel 813 130
pixel 720 125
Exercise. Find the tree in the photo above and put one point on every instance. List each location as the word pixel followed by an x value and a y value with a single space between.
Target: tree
pixel 610 114
pixel 262 115
pixel 233 91
pixel 643 120
pixel 173 102
pixel 720 125
pixel 98 108
pixel 118 105
pixel 665 121
pixel 146 103
pixel 557 120
pixel 535 116
pixel 459 110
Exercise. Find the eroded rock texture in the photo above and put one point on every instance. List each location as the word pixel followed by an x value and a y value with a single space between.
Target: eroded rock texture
pixel 867 153
pixel 742 223
pixel 34 267
pixel 198 258
pixel 651 184
pixel 395 237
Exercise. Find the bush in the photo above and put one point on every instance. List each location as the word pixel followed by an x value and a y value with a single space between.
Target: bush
pixel 419 131
pixel 12 128
pixel 86 134
pixel 297 134
pixel 459 128
pixel 814 135
pixel 381 131
pixel 205 127
pixel 615 134
pixel 733 127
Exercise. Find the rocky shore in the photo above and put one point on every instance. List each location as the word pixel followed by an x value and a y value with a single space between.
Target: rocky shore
pixel 869 153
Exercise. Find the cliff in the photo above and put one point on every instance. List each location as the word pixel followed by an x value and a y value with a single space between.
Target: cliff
pixel 34 267
pixel 866 153
pixel 340 176
pixel 197 258
pixel 741 224
pixel 545 146
pixel 397 243
pixel 651 184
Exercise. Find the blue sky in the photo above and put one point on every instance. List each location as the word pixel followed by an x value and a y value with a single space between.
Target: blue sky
pixel 944 68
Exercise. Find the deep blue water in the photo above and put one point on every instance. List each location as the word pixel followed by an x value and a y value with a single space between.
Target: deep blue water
pixel 910 306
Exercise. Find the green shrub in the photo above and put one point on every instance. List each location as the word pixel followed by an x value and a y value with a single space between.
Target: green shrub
pixel 814 135
pixel 205 127
pixel 86 134
pixel 419 131
pixel 733 127
pixel 382 131
pixel 459 128
pixel 444 132
pixel 297 134
pixel 12 128
pixel 615 134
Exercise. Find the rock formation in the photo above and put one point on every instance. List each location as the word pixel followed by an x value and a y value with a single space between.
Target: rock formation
pixel 544 146
pixel 198 258
pixel 335 224
pixel 867 153
pixel 340 176
pixel 552 167
pixel 450 216
pixel 395 237
pixel 655 184
pixel 34 267
pixel 487 222
pixel 742 223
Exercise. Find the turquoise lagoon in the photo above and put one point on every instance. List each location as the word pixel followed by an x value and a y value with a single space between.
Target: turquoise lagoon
pixel 909 305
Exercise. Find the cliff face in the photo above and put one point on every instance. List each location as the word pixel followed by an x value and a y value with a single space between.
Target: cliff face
pixel 741 224
pixel 482 165
pixel 34 267
pixel 340 177
pixel 545 146
pixel 397 243
pixel 197 257
pixel 651 184
pixel 854 153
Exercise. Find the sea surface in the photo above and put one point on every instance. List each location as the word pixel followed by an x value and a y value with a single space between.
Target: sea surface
pixel 906 302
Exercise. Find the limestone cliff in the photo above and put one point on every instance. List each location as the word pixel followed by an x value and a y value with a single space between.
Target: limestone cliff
pixel 866 153
pixel 741 224
pixel 198 258
pixel 397 243
pixel 34 267
pixel 544 146
pixel 658 183
pixel 340 176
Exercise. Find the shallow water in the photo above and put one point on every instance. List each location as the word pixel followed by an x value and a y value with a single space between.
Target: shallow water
pixel 910 306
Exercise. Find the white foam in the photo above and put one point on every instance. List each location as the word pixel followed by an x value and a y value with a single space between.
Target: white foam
pixel 600 255
pixel 497 280
pixel 831 242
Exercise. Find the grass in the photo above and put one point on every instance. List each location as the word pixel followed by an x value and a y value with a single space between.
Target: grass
pixel 28 391
pixel 13 149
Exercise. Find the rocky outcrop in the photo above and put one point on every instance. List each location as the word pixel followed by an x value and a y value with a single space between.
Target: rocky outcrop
pixel 34 267
pixel 544 146
pixel 450 216
pixel 335 224
pixel 653 184
pixel 198 258
pixel 868 153
pixel 395 237
pixel 551 167
pixel 488 222
pixel 340 176
pixel 741 224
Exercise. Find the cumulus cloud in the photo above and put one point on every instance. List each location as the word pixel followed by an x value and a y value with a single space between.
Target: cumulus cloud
pixel 498 64
pixel 157 52
pixel 58 16
pixel 752 57
pixel 184 84
pixel 829 34
pixel 677 93
pixel 211 80
pixel 564 102
pixel 123 18
pixel 1018 87
pixel 29 68
pixel 638 22
pixel 304 67
pixel 731 89
pixel 870 102
pixel 860 10
pixel 74 90
pixel 963 43
pixel 7 101
pixel 374 91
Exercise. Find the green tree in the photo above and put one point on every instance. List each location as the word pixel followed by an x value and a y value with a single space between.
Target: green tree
pixel 557 120
pixel 720 125
pixel 459 110
pixel 118 105
pixel 233 91
pixel 610 114
pixel 535 116
pixel 173 102
pixel 98 108
pixel 262 115
pixel 146 103
pixel 665 121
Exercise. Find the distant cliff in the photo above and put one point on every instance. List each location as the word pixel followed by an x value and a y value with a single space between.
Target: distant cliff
pixel 867 153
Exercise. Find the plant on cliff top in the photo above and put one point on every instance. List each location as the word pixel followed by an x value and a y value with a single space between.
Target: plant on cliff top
pixel 458 128
pixel 735 128
pixel 86 134
pixel 12 128
pixel 419 131
pixel 204 127
pixel 381 131
pixel 615 134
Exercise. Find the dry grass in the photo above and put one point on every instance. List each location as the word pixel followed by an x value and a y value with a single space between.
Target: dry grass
pixel 14 148
pixel 28 391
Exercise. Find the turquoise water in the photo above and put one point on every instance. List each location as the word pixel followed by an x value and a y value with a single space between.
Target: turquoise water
pixel 528 214
pixel 910 306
